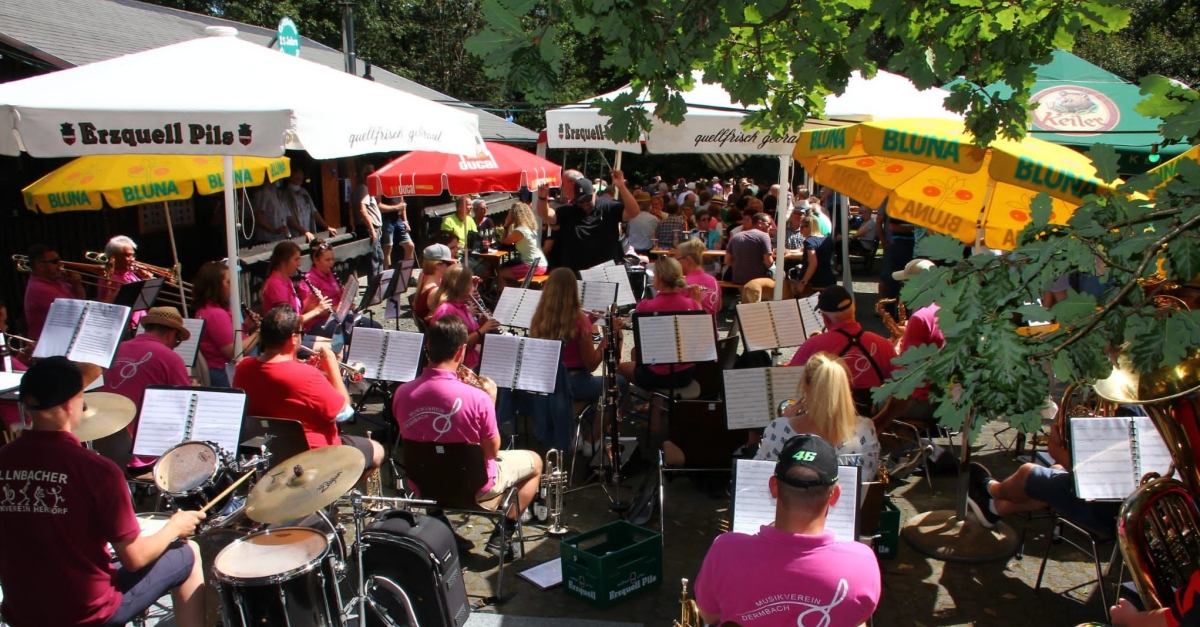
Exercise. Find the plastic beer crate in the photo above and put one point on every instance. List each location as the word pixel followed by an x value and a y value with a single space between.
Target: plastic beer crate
pixel 887 544
pixel 610 564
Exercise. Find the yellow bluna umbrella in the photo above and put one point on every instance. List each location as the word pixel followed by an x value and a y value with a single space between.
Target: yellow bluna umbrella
pixel 125 180
pixel 931 174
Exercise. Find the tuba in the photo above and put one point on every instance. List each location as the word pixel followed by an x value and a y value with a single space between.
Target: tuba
pixel 1159 524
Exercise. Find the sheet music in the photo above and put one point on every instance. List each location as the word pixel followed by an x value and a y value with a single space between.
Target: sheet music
pixel 597 295
pixel 59 329
pixel 366 347
pixel 346 300
pixel 516 307
pixel 94 327
pixel 403 355
pixel 696 337
pixel 609 272
pixel 747 401
pixel 790 329
pixel 162 420
pixel 187 350
pixel 1153 454
pixel 753 506
pixel 785 383
pixel 499 359
pixel 757 330
pixel 539 365
pixel 1102 455
pixel 810 317
pixel 656 340
pixel 10 381
pixel 218 418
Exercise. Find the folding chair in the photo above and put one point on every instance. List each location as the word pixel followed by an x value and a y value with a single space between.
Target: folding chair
pixel 707 445
pixel 452 474
pixel 1093 540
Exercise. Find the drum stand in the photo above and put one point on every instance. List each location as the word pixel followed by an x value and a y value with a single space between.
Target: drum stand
pixel 362 597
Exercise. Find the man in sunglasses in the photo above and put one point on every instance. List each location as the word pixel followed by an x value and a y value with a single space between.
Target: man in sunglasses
pixel 47 281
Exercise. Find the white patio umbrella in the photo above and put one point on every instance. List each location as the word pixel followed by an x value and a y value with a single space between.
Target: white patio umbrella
pixel 220 95
pixel 713 125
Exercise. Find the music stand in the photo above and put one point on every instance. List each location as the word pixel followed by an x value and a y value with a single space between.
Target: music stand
pixel 377 286
pixel 533 266
pixel 139 295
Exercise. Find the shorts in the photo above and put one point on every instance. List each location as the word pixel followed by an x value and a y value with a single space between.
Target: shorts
pixel 647 379
pixel 393 231
pixel 139 590
pixel 512 467
pixel 1056 488
pixel 364 446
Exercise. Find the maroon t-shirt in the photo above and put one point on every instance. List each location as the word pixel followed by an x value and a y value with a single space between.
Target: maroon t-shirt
pixel 60 505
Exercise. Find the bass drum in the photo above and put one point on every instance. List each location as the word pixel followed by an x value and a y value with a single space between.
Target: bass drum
pixel 283 576
pixel 212 541
pixel 192 474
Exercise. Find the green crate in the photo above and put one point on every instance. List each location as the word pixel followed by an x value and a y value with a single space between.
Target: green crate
pixel 612 563
pixel 888 542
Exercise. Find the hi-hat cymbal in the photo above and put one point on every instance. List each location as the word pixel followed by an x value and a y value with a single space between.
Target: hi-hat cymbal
pixel 304 484
pixel 106 414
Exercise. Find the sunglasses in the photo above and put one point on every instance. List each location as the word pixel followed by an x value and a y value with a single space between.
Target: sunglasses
pixel 321 246
pixel 53 262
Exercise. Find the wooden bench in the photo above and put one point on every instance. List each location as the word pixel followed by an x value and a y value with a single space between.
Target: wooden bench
pixel 536 282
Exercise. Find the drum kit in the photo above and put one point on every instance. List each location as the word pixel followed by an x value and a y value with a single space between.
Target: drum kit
pixel 276 557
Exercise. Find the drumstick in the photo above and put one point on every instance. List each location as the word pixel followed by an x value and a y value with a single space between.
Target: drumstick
pixel 227 492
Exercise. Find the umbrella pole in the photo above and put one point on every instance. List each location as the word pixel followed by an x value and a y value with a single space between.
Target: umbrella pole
pixel 785 164
pixel 979 229
pixel 847 279
pixel 617 161
pixel 175 259
pixel 235 291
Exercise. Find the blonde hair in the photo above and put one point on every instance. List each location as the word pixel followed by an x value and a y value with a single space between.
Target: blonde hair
pixel 668 270
pixel 558 311
pixel 814 225
pixel 692 249
pixel 523 217
pixel 827 397
pixel 455 285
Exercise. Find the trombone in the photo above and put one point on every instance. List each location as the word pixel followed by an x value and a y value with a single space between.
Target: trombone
pixel 89 274
pixel 11 344
pixel 354 371
pixel 158 271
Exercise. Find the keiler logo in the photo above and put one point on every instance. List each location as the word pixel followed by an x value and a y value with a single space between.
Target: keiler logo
pixel 1073 108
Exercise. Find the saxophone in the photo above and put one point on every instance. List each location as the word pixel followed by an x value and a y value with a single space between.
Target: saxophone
pixel 895 325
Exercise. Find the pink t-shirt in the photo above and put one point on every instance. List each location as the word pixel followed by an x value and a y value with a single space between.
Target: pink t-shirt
pixel 63 505
pixel 218 333
pixel 710 300
pixel 669 301
pixel 437 407
pixel 140 362
pixel 290 389
pixel 922 328
pixel 10 413
pixel 279 290
pixel 39 295
pixel 571 356
pixel 112 285
pixel 455 309
pixel 863 375
pixel 329 288
pixel 778 578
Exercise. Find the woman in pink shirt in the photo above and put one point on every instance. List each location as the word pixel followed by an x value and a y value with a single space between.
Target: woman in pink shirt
pixel 321 277
pixel 279 289
pixel 122 253
pixel 451 300
pixel 672 294
pixel 702 286
pixel 210 303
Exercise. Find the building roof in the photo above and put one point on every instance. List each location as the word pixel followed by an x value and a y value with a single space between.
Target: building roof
pixel 68 33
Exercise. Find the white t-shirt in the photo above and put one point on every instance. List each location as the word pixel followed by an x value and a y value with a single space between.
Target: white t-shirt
pixel 862 449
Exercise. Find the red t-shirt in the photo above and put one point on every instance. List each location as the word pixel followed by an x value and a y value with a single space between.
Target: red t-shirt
pixel 669 301
pixel 922 328
pixel 293 390
pixel 571 356
pixel 61 505
pixel 863 375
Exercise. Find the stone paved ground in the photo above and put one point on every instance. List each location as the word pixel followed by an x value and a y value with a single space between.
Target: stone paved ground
pixel 917 590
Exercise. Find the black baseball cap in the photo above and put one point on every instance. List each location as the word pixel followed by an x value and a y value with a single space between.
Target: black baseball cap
pixel 834 298
pixel 811 451
pixel 50 382
pixel 584 190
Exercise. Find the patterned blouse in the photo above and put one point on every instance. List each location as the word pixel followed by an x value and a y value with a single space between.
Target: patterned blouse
pixel 862 449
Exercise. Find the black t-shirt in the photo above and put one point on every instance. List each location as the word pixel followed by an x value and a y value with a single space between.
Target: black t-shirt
pixel 824 247
pixel 586 240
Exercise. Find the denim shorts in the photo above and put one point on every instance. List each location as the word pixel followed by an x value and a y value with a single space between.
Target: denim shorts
pixel 1056 488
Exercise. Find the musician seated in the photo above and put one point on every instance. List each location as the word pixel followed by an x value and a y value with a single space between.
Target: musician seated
pixel 63 505
pixel 1183 612
pixel 12 359
pixel 210 303
pixel 437 407
pixel 792 568
pixel 279 288
pixel 921 329
pixel 868 355
pixel 437 259
pixel 826 408
pixel 122 254
pixel 701 285
pixel 1034 487
pixel 451 299
pixel 47 282
pixel 279 386
pixel 328 290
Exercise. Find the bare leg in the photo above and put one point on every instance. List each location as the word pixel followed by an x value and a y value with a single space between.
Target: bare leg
pixel 407 248
pixel 387 256
pixel 1008 496
pixel 529 488
pixel 672 455
pixel 188 599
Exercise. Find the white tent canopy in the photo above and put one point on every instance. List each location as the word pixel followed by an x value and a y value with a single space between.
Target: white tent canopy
pixel 170 100
pixel 713 125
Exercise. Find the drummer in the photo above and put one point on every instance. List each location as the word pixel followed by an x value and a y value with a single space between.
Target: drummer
pixel 62 505
pixel 278 385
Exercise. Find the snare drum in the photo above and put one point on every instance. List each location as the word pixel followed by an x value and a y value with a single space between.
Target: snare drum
pixel 191 474
pixel 152 522
pixel 284 576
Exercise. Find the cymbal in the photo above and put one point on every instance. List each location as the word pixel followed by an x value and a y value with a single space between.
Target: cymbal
pixel 106 414
pixel 304 484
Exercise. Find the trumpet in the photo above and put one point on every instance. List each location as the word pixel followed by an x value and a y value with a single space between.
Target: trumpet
pixel 689 613
pixel 11 344
pixel 354 371
pixel 468 376
pixel 554 483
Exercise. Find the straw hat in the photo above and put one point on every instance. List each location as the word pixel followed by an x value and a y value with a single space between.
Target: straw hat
pixel 167 317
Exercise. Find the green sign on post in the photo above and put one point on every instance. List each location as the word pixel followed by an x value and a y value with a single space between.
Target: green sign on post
pixel 288 37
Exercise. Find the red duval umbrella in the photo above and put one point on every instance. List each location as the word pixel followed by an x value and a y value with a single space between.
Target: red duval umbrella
pixel 500 169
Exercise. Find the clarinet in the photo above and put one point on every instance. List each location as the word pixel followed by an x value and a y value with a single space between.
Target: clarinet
pixel 325 305
pixel 612 397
